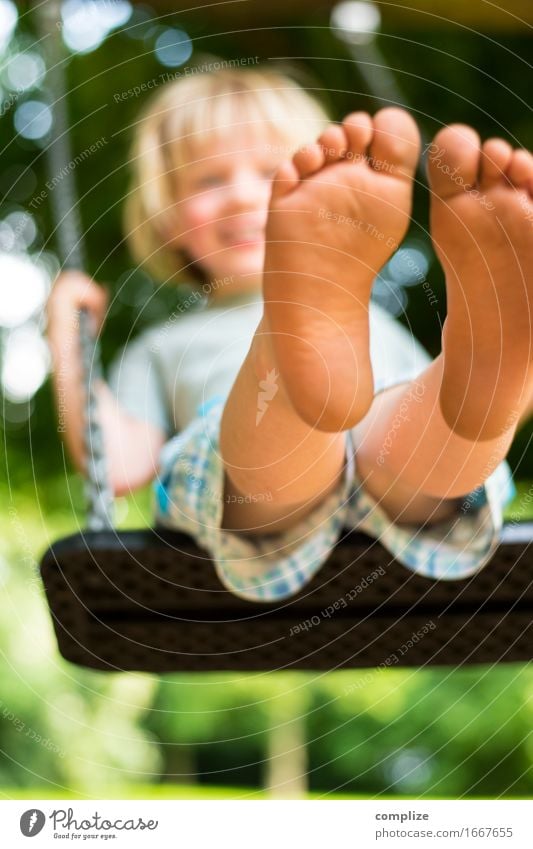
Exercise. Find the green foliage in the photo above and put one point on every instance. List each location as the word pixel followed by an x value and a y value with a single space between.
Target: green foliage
pixel 434 733
pixel 427 732
pixel 431 733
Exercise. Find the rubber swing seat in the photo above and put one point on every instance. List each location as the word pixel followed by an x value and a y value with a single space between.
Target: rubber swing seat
pixel 151 601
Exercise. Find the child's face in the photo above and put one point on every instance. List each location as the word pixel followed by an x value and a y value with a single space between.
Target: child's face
pixel 222 206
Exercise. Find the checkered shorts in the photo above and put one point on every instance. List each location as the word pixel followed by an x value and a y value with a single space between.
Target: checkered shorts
pixel 189 494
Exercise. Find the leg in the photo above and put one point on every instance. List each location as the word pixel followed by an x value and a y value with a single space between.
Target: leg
pixel 445 434
pixel 454 432
pixel 412 462
pixel 292 467
pixel 323 251
pixel 280 460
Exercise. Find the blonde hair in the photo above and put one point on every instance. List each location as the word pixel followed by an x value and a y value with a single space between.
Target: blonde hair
pixel 185 111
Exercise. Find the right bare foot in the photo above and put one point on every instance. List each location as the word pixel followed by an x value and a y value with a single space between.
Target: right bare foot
pixel 481 224
pixel 337 213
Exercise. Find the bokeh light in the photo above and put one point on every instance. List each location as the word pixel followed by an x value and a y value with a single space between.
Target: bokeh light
pixel 87 23
pixel 23 229
pixel 356 22
pixel 25 363
pixel 16 414
pixel 389 295
pixel 23 289
pixel 24 71
pixel 8 21
pixel 173 47
pixel 33 119
pixel 409 770
pixel 141 24
pixel 409 265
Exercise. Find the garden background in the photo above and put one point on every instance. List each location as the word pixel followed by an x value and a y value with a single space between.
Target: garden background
pixel 66 731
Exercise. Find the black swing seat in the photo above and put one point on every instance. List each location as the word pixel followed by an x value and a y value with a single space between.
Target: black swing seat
pixel 148 600
pixel 151 601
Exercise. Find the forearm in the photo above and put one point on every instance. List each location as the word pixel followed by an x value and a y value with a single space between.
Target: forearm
pixel 131 446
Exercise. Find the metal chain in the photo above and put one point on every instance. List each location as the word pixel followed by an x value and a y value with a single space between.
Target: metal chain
pixel 70 246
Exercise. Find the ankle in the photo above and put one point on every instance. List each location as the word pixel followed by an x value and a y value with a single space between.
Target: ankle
pixel 263 359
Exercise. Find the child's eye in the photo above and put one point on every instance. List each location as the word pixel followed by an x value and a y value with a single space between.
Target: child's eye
pixel 209 181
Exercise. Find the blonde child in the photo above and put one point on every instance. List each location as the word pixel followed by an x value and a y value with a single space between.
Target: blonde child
pixel 279 405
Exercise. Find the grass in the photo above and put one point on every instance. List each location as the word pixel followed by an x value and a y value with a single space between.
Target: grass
pixel 172 791
pixel 138 791
pixel 204 792
pixel 520 509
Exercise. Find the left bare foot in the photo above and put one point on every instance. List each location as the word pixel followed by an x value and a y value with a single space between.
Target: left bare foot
pixel 337 213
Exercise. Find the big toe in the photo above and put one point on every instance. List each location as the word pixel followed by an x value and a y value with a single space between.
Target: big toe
pixel 395 146
pixel 453 160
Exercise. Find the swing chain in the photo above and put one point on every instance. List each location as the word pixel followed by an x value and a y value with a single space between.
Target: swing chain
pixel 70 247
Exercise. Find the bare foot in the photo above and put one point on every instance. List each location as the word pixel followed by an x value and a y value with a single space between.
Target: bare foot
pixel 337 213
pixel 482 228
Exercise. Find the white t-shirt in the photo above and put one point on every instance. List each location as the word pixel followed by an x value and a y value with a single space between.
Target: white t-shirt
pixel 169 371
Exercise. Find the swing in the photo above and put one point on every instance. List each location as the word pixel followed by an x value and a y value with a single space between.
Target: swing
pixel 149 600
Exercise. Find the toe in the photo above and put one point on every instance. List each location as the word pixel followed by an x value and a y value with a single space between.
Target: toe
pixel 285 180
pixel 395 145
pixel 520 169
pixel 309 159
pixel 359 131
pixel 334 143
pixel 495 159
pixel 453 160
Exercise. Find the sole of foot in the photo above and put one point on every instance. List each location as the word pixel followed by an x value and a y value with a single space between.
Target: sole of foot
pixel 482 229
pixel 338 211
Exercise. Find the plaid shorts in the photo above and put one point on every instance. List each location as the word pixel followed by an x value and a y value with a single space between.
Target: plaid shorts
pixel 189 495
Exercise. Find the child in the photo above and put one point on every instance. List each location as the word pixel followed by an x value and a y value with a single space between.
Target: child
pixel 301 408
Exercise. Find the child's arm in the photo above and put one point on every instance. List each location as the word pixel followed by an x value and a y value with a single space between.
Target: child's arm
pixel 132 446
